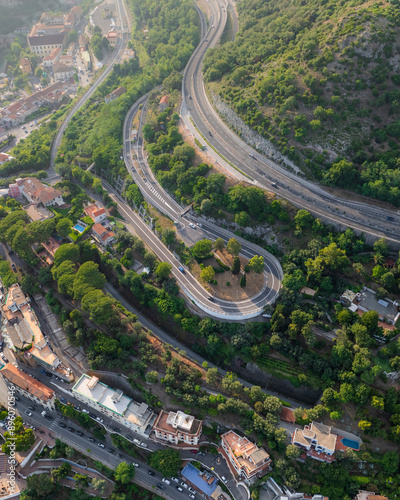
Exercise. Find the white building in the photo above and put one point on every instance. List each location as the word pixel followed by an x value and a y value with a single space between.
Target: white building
pixel 318 440
pixel 178 427
pixel 62 71
pixel 135 416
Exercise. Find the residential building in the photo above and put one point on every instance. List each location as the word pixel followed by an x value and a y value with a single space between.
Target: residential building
pixel 112 37
pixel 52 18
pixel 25 66
pixel 42 29
pixel 28 386
pixel 128 55
pixel 135 416
pixel 52 58
pixel 51 246
pixel 36 192
pixel 163 105
pixel 96 213
pixel 287 415
pixel 13 190
pixel 366 300
pixel 203 482
pixel 115 94
pixel 103 235
pixel 18 111
pixel 245 458
pixel 369 495
pixel 22 331
pixel 318 441
pixel 76 11
pixel 37 213
pixel 174 428
pixel 61 71
pixel 43 45
pixel 83 42
pixel 5 157
pixel 273 491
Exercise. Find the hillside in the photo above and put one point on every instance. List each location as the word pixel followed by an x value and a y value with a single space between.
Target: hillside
pixel 321 80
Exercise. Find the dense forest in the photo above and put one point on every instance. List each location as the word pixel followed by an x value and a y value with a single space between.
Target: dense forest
pixel 321 81
pixel 95 132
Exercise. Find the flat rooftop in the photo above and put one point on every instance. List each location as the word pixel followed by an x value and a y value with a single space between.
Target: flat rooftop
pixel 384 307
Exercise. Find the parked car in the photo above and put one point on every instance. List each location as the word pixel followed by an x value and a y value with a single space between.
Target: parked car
pixel 160 486
pixel 165 480
pixel 179 488
pixel 175 479
pixel 135 464
pixel 191 496
pixel 85 411
pixel 13 267
pixel 99 420
pixel 224 479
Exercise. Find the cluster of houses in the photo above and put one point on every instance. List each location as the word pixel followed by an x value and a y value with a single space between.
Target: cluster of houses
pixel 21 330
pixel 19 111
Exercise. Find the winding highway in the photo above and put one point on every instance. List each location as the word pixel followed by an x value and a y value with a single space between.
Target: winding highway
pixel 190 229
pixel 203 121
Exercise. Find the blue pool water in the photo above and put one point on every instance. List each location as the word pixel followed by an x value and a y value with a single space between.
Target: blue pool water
pixel 351 444
pixel 79 228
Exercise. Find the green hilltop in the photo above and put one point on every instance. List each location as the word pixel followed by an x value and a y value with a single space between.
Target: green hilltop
pixel 321 80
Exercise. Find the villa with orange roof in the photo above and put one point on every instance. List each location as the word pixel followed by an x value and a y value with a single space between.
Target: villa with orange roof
pixel 96 213
pixel 318 441
pixel 369 495
pixel 244 458
pixel 102 235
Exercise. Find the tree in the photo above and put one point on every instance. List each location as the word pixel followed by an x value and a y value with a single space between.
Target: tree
pixel 63 227
pixel 207 274
pixel 219 244
pixel 163 270
pixel 99 484
pixel 87 278
pixel 242 218
pixel 233 247
pixel 272 404
pixel 202 249
pixel 124 473
pixel 236 265
pixel 152 377
pixel 390 462
pixel 381 247
pixel 99 305
pixel 212 376
pixel 29 285
pixel 303 219
pixel 293 452
pixel 168 462
pixel 62 472
pixel 69 251
pixel 243 281
pixel 256 263
pixel 38 72
pixel 341 174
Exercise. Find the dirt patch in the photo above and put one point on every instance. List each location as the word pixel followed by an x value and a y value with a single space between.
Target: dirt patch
pixel 233 291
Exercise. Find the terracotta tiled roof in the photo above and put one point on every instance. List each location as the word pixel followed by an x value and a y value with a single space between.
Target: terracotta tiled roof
pixel 27 383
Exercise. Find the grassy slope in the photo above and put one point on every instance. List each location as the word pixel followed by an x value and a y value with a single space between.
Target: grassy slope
pixel 293 56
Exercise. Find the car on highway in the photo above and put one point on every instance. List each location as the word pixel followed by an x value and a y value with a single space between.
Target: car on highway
pixel 135 464
pixel 91 440
pixel 29 413
pixel 274 184
pixel 388 217
pixel 61 424
pixel 160 486
pixel 210 134
pixel 110 450
pixel 79 433
pixel 224 479
pixel 71 429
pixel 211 299
pixel 192 225
pixel 101 445
pixel 91 415
pixel 200 224
pixel 151 473
pixel 32 408
pixel 252 156
pixel 181 270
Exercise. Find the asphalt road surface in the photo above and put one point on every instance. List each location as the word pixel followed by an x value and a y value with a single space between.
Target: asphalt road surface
pixel 190 232
pixel 266 173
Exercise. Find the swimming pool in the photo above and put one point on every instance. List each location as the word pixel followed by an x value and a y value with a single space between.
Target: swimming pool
pixel 79 228
pixel 351 444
